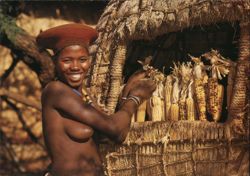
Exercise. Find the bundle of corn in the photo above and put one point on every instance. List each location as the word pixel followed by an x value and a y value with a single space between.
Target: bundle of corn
pixel 187 89
pixel 219 67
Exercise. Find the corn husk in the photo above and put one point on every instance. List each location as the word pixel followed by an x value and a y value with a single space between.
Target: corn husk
pixel 174 109
pixel 182 109
pixel 219 68
pixel 185 73
pixel 199 87
pixel 168 96
pixel 217 115
pixel 141 112
pixel 157 103
pixel 174 112
pixel 133 118
pixel 190 104
pixel 200 98
pixel 215 98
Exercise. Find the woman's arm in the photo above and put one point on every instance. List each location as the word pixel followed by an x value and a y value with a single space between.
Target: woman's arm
pixel 65 101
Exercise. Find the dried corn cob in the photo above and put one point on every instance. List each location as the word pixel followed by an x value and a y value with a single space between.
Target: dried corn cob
pixel 185 72
pixel 174 109
pixel 217 115
pixel 190 105
pixel 174 112
pixel 141 112
pixel 212 92
pixel 156 108
pixel 199 89
pixel 157 104
pixel 200 98
pixel 219 67
pixel 168 95
pixel 182 109
pixel 215 98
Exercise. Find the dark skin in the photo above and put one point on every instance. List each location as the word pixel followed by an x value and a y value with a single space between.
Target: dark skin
pixel 69 124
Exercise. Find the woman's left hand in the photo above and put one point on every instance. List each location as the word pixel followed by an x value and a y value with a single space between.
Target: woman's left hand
pixel 132 80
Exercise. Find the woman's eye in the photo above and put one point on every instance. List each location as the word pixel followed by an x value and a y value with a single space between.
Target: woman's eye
pixel 83 59
pixel 66 60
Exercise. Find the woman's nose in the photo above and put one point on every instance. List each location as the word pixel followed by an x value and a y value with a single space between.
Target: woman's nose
pixel 75 66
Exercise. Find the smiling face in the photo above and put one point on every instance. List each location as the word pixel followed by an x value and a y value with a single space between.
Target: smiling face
pixel 72 64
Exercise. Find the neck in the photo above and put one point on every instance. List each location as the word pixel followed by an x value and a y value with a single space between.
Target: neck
pixel 78 88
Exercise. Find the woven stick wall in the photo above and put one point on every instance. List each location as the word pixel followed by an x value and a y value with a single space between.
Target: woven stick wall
pixel 179 148
pixel 171 148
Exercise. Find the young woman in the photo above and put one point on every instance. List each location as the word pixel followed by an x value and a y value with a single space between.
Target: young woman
pixel 68 122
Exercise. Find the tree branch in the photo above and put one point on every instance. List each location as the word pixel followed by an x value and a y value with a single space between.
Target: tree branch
pixel 7 146
pixel 20 98
pixel 24 46
pixel 9 70
pixel 21 119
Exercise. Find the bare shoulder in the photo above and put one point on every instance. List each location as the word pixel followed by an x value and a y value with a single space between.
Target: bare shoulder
pixel 53 89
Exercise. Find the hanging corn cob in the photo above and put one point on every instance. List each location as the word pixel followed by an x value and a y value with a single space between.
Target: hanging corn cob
pixel 185 72
pixel 156 108
pixel 141 112
pixel 174 109
pixel 219 67
pixel 215 98
pixel 156 101
pixel 190 105
pixel 199 87
pixel 161 95
pixel 168 95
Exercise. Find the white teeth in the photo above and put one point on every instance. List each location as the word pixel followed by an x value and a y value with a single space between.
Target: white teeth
pixel 76 77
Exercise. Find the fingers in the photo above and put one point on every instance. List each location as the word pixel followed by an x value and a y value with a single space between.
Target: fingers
pixel 151 85
pixel 125 91
pixel 137 76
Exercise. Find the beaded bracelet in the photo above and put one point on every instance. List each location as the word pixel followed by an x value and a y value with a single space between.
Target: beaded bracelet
pixel 136 99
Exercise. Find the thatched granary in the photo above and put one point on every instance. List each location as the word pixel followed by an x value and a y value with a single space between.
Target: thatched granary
pixel 128 31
